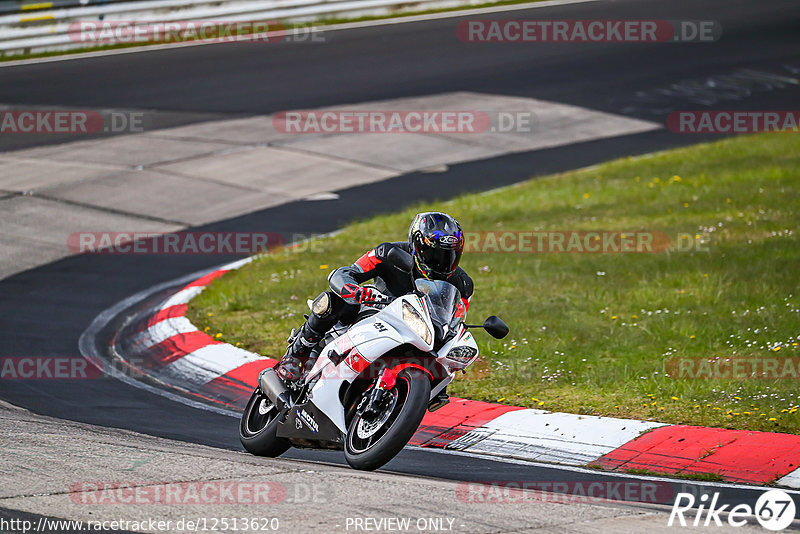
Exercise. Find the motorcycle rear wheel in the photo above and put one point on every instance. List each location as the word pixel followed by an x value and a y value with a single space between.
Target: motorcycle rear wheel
pixel 369 444
pixel 258 427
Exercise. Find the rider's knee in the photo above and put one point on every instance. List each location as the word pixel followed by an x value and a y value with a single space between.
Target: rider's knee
pixel 323 305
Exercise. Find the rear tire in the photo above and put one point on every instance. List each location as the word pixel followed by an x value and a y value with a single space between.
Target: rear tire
pixel 258 427
pixel 368 446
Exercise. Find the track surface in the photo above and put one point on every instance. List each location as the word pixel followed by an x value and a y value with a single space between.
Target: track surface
pixel 45 310
pixel 204 82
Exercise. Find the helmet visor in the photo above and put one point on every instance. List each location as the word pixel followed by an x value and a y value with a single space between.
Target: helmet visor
pixel 441 260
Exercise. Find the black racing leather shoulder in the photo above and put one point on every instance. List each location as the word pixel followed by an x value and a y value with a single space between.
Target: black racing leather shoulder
pixel 463 282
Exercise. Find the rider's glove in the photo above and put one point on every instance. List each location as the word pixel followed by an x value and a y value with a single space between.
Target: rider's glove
pixel 363 295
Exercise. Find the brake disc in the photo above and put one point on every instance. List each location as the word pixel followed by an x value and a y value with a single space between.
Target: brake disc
pixel 366 429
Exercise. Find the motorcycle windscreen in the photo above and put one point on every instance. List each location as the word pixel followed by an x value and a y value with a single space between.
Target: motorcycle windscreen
pixel 443 297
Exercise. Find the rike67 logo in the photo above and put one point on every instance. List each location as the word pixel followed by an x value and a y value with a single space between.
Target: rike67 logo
pixel 774 510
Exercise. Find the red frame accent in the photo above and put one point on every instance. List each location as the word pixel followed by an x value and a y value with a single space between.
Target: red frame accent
pixel 388 379
pixel 356 361
pixel 399 367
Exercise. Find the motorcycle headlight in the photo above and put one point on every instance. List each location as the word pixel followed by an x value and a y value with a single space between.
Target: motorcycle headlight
pixel 462 354
pixel 415 321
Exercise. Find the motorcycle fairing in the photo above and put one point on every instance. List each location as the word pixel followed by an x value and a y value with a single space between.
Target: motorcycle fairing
pixel 371 337
pixel 307 426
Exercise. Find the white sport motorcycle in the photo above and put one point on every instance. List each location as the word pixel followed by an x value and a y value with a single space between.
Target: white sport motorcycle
pixel 372 382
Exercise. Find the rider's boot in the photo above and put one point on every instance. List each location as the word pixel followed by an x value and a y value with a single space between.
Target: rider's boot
pixel 290 368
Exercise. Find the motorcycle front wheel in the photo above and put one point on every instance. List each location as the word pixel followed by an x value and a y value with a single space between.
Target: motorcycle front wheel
pixel 259 426
pixel 373 441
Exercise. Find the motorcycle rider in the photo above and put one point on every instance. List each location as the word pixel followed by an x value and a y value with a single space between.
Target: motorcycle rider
pixel 436 242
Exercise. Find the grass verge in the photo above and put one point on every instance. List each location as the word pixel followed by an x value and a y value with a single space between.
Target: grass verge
pixel 593 333
pixel 703 477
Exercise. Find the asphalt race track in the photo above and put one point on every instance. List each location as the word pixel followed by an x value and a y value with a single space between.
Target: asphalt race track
pixel 207 82
pixel 45 310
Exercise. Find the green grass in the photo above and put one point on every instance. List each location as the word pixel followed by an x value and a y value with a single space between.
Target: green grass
pixel 705 477
pixel 585 342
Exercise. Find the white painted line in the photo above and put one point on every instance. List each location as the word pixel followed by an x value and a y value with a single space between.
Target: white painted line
pixel 163 330
pixel 613 474
pixel 87 344
pixel 791 480
pixel 89 350
pixel 183 296
pixel 554 437
pixel 315 29
pixel 237 264
pixel 206 364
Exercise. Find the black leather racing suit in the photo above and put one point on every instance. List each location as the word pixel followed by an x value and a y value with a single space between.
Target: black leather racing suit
pixel 388 279
pixel 339 303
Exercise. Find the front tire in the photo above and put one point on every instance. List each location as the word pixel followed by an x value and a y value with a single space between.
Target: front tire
pixel 259 426
pixel 369 444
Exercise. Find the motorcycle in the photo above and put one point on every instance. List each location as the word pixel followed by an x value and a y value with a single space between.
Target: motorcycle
pixel 371 382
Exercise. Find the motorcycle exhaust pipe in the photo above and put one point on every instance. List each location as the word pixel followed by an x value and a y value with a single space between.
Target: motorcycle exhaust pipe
pixel 274 389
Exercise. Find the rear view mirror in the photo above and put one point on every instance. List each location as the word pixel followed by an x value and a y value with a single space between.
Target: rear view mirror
pixel 400 259
pixel 495 326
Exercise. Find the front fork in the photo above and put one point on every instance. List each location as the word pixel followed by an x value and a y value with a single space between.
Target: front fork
pixel 378 396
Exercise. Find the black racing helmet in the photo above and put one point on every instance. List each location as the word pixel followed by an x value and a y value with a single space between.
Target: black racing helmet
pixel 437 243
